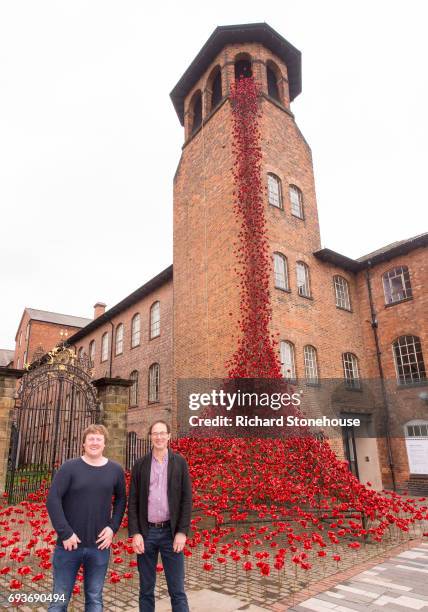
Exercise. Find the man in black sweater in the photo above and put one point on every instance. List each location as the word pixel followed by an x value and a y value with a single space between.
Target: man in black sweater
pixel 80 508
pixel 159 512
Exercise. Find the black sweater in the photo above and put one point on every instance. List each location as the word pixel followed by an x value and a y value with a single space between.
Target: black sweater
pixel 80 500
pixel 179 489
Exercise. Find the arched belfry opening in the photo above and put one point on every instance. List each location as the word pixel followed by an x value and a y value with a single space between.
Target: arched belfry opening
pixel 273 76
pixel 196 111
pixel 243 67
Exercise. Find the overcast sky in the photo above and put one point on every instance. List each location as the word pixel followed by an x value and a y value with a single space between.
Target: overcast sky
pixel 89 139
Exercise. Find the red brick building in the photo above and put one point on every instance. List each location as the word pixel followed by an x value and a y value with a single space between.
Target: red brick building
pixel 359 325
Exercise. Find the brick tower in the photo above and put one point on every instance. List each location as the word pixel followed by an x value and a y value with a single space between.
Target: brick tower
pixel 206 292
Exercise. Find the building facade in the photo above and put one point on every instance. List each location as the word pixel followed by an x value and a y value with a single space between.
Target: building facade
pixel 338 320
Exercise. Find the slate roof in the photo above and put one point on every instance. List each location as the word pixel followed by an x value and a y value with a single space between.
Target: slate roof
pixel 56 317
pixel 6 357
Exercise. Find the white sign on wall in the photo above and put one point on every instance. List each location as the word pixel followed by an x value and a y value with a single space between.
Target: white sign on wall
pixel 417 452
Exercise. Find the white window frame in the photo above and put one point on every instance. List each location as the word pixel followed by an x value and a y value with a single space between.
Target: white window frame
pixel 280 270
pixel 133 389
pixel 288 361
pixel 118 350
pixel 274 190
pixel 104 347
pixel 351 371
pixel 136 330
pixel 154 383
pixel 393 293
pixel 296 201
pixel 92 352
pixel 155 320
pixel 408 360
pixel 303 279
pixel 311 364
pixel 341 291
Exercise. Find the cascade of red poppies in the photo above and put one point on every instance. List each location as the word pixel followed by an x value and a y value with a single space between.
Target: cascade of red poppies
pixel 256 355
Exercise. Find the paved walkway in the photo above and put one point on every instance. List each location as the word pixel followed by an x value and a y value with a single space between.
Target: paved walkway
pixel 397 584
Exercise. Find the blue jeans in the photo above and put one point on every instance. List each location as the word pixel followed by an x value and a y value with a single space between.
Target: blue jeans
pixel 160 540
pixel 66 564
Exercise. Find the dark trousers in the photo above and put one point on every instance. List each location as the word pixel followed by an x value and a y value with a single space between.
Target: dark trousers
pixel 160 540
pixel 66 564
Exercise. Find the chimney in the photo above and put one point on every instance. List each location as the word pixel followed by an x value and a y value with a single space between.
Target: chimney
pixel 99 309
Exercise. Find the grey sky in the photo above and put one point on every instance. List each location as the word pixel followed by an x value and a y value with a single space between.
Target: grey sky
pixel 89 140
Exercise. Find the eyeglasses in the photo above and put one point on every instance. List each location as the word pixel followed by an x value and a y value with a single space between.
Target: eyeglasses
pixel 159 434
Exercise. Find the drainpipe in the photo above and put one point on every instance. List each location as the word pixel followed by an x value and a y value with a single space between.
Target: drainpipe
pixel 374 325
pixel 111 350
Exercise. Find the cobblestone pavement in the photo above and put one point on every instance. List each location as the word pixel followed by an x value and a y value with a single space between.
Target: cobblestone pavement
pixel 399 583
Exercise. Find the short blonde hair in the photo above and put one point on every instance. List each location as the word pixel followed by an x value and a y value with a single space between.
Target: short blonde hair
pixel 95 428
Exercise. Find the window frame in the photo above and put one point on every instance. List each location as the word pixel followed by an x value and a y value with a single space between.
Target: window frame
pixel 277 256
pixel 402 380
pixel 133 389
pixel 134 332
pixel 292 188
pixel 307 283
pixel 272 176
pixel 311 380
pixel 293 372
pixel 92 353
pixel 154 367
pixel 353 381
pixel 104 347
pixel 406 286
pixel 347 301
pixel 118 340
pixel 154 324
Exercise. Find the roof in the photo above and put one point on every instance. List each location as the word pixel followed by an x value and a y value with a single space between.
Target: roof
pixel 131 299
pixel 6 357
pixel 401 247
pixel 248 32
pixel 56 317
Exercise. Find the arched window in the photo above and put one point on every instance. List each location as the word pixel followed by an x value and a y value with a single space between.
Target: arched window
pixel 104 347
pixel 296 201
pixel 119 340
pixel 288 367
pixel 80 354
pixel 215 88
pixel 92 353
pixel 409 360
pixel 341 290
pixel 133 390
pixel 243 66
pixel 135 330
pixel 24 359
pixel 396 285
pixel 274 190
pixel 155 320
pixel 272 75
pixel 303 281
pixel 351 371
pixel 280 271
pixel 311 364
pixel 196 111
pixel 154 383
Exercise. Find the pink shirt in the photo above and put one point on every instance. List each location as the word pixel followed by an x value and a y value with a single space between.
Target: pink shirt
pixel 158 508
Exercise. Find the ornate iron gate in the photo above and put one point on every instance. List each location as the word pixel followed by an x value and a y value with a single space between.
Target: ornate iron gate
pixel 56 402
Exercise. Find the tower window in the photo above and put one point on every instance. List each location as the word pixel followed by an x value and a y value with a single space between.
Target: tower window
pixel 409 360
pixel 396 285
pixel 243 67
pixel 104 347
pixel 350 370
pixel 341 290
pixel 119 339
pixel 274 190
pixel 296 201
pixel 280 271
pixel 288 367
pixel 215 86
pixel 272 83
pixel 303 283
pixel 135 330
pixel 196 107
pixel 155 320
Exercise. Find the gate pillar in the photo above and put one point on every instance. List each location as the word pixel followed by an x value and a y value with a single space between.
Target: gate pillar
pixel 8 378
pixel 113 394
